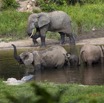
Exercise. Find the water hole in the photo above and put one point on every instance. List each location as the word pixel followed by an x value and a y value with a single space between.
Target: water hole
pixel 81 75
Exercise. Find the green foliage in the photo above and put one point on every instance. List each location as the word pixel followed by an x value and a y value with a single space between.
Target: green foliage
pixel 86 16
pixel 42 95
pixel 56 93
pixel 13 23
pixel 9 4
pixel 93 1
pixel 50 5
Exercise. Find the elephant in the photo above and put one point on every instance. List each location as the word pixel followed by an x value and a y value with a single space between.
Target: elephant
pixel 56 21
pixel 52 57
pixel 73 60
pixel 91 54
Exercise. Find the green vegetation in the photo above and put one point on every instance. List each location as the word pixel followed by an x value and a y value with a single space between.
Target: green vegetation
pixel 9 4
pixel 93 1
pixel 51 93
pixel 13 24
pixel 84 17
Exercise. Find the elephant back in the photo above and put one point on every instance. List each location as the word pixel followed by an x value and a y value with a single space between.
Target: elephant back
pixel 53 56
pixel 91 53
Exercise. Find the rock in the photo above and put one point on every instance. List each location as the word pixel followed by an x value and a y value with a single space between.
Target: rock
pixel 28 6
pixel 13 81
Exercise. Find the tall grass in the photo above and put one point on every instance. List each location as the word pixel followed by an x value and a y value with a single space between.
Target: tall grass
pixel 13 23
pixel 87 16
pixel 9 4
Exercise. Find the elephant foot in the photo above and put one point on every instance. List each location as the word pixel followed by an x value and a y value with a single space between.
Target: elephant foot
pixel 43 45
pixel 62 44
pixel 35 42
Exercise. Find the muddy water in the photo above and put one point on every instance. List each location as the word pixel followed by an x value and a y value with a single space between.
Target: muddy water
pixel 82 75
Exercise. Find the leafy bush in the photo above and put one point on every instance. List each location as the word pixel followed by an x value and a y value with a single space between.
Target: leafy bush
pixel 50 5
pixel 9 4
pixel 93 1
pixel 41 95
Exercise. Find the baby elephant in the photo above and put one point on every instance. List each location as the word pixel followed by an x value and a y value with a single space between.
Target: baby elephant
pixel 52 57
pixel 90 53
pixel 73 60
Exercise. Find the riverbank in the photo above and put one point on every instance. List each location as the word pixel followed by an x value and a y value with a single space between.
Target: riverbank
pixel 27 42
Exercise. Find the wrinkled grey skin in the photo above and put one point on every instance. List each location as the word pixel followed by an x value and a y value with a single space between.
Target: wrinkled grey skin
pixel 52 57
pixel 56 21
pixel 73 60
pixel 91 54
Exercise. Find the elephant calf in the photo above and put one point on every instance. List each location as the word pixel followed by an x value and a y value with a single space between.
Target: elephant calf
pixel 73 60
pixel 91 53
pixel 56 21
pixel 52 57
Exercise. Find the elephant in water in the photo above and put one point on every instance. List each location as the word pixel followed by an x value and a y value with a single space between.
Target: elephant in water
pixel 73 60
pixel 90 53
pixel 52 57
pixel 56 21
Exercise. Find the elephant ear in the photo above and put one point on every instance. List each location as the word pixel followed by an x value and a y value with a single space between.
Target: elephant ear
pixel 43 20
pixel 27 58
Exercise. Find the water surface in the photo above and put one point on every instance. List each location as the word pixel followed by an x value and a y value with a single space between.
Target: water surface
pixel 82 75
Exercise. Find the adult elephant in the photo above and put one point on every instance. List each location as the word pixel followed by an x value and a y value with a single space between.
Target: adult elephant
pixel 52 57
pixel 56 21
pixel 90 53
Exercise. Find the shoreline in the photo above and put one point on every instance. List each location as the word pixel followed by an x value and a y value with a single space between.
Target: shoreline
pixel 28 42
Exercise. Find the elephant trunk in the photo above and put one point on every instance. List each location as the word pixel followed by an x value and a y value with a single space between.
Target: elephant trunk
pixel 29 31
pixel 16 56
pixel 30 28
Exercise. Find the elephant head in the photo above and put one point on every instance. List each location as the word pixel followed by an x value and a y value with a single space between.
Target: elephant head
pixel 72 59
pixel 37 21
pixel 30 60
pixel 24 58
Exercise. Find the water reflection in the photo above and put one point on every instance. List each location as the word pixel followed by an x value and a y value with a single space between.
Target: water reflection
pixel 94 75
pixel 8 66
pixel 84 75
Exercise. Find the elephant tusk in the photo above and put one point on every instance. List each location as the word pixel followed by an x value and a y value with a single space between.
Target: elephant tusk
pixel 32 33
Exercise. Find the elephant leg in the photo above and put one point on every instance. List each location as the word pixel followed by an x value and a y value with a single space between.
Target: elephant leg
pixel 36 36
pixel 62 37
pixel 43 31
pixel 43 41
pixel 72 39
pixel 37 72
pixel 89 63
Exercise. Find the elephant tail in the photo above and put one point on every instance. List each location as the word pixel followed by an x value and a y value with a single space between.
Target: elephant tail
pixel 102 51
pixel 80 56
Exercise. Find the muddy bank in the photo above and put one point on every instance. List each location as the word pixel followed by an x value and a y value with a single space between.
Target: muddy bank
pixel 28 42
pixel 92 37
